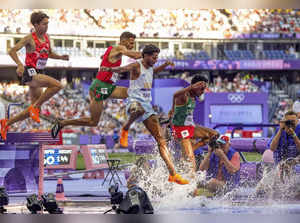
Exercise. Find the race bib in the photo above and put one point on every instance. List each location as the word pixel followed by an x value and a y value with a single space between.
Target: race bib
pixel 147 94
pixel 41 64
pixel 185 133
pixel 31 72
pixel 114 77
pixel 104 91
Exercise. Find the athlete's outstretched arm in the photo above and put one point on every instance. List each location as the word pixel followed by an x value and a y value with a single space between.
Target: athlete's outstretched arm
pixel 53 55
pixel 163 66
pixel 124 51
pixel 127 68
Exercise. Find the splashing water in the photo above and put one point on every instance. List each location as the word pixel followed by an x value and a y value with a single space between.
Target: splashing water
pixel 171 198
pixel 278 183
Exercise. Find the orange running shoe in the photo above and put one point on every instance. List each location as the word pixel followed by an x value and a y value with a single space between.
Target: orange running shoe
pixel 4 128
pixel 34 113
pixel 124 138
pixel 178 179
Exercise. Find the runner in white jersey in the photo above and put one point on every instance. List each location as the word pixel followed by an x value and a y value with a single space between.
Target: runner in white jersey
pixel 139 102
pixel 139 91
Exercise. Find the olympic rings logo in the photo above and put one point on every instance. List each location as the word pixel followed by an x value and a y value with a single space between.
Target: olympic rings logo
pixel 236 98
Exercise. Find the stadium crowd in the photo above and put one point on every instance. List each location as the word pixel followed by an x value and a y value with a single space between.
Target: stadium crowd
pixel 203 23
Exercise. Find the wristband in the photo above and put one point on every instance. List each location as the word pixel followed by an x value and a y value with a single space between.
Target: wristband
pixel 294 135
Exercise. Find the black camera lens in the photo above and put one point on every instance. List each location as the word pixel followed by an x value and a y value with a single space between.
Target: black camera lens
pixel 289 122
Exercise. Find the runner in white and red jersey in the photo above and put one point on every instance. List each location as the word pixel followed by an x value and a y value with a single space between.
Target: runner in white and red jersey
pixel 38 50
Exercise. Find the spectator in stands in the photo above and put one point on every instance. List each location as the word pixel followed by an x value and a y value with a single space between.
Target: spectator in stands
pixel 222 164
pixel 161 22
pixel 285 142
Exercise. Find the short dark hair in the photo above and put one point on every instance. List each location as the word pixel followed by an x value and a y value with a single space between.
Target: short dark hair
pixel 290 113
pixel 198 78
pixel 127 35
pixel 37 17
pixel 150 49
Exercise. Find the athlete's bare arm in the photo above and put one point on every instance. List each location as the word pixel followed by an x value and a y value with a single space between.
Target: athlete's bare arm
pixel 13 52
pixel 179 98
pixel 128 68
pixel 53 55
pixel 163 66
pixel 122 50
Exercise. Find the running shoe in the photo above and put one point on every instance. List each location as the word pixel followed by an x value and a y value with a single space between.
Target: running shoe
pixel 56 129
pixel 4 128
pixel 34 113
pixel 124 138
pixel 178 179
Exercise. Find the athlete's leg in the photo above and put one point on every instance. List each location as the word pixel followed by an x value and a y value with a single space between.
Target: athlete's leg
pixel 186 145
pixel 53 86
pixel 92 121
pixel 119 93
pixel 96 108
pixel 203 133
pixel 35 93
pixel 154 128
pixel 135 112
pixel 99 91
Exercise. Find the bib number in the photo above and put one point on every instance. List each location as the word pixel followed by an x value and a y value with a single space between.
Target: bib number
pixel 185 133
pixel 41 64
pixel 147 94
pixel 104 91
pixel 31 72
